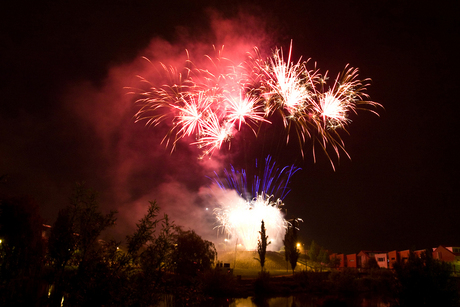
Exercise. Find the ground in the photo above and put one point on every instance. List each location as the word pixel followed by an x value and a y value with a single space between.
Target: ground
pixel 247 266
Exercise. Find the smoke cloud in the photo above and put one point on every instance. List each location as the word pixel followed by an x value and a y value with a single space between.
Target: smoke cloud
pixel 133 164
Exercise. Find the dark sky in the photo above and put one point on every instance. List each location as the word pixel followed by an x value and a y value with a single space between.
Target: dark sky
pixel 65 116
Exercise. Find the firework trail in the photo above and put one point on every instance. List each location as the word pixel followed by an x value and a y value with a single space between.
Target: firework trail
pixel 240 214
pixel 272 181
pixel 213 104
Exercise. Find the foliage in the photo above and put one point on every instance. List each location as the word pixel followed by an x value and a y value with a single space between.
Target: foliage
pixel 424 281
pixel 80 269
pixel 162 259
pixel 144 233
pixel 149 252
pixel 62 241
pixel 21 251
pixel 334 262
pixel 313 251
pixel 74 242
pixel 323 256
pixel 262 285
pixel 218 282
pixel 345 283
pixel 262 246
pixel 313 282
pixel 371 264
pixel 319 258
pixel 150 247
pixel 192 254
pixel 77 229
pixel 88 222
pixel 379 283
pixel 292 253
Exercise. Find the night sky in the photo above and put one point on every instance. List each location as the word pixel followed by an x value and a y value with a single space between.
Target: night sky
pixel 66 117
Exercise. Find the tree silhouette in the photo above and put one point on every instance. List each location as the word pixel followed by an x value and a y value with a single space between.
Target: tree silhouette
pixel 313 251
pixel 150 250
pixel 145 232
pixel 21 251
pixel 323 256
pixel 292 253
pixel 262 246
pixel 192 254
pixel 75 253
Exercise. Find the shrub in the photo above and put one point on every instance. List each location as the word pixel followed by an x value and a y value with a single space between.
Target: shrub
pixel 262 286
pixel 218 283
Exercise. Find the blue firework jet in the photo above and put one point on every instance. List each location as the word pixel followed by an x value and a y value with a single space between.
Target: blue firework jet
pixel 273 181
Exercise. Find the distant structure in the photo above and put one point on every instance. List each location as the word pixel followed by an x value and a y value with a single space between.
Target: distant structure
pixel 387 260
pixel 447 254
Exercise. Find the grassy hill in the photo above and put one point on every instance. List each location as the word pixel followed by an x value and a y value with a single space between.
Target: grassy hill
pixel 246 265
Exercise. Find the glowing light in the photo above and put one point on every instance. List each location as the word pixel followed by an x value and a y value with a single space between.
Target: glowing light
pixel 240 213
pixel 241 219
pixel 214 135
pixel 242 108
pixel 285 80
pixel 191 117
pixel 333 108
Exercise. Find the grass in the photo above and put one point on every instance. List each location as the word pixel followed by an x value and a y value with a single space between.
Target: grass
pixel 248 267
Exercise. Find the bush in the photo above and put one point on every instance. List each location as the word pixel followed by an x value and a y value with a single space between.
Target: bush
pixel 379 284
pixel 313 282
pixel 218 283
pixel 262 286
pixel 344 283
pixel 424 281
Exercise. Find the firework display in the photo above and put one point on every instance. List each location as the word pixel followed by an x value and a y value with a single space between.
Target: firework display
pixel 207 106
pixel 211 104
pixel 273 180
pixel 240 213
pixel 240 220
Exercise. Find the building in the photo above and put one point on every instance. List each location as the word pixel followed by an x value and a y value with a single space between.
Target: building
pixel 448 254
pixel 382 259
pixel 351 260
pixel 364 256
pixel 387 260
pixel 404 255
pixel 338 260
pixel 393 257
